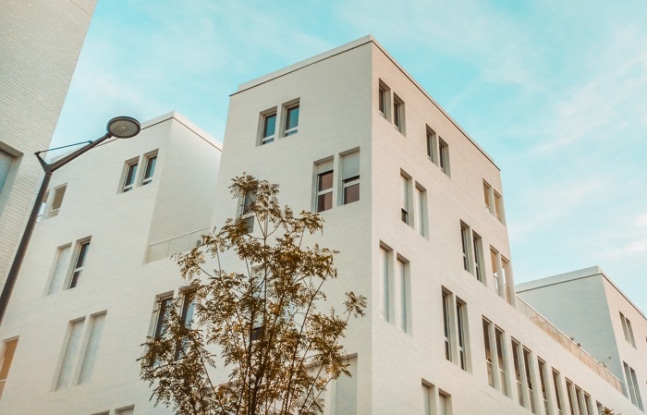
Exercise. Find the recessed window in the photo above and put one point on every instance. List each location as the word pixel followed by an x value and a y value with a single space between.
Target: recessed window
pixel 57 201
pixel 129 410
pixel 559 393
pixel 479 271
pixel 70 353
pixel 149 169
pixel 246 212
pixel 268 127
pixel 6 160
pixel 498 206
pixel 455 330
pixel 164 305
pixel 291 120
pixel 386 291
pixel 487 197
pixel 493 201
pixel 465 245
pixel 633 386
pixel 404 286
pixel 543 383
pixel 324 191
pixel 8 350
pixel 62 264
pixel 384 100
pixel 443 156
pixel 405 197
pixel 421 220
pixel 627 330
pixel 350 177
pixel 129 176
pixel 398 113
pixel 93 337
pixel 81 254
pixel 502 276
pixel 432 145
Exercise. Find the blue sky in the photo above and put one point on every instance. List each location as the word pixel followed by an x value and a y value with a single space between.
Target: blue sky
pixel 554 91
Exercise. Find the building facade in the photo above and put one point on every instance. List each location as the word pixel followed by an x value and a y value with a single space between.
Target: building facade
pixel 412 203
pixel 40 42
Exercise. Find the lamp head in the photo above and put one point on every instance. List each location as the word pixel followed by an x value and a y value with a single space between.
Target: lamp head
pixel 123 127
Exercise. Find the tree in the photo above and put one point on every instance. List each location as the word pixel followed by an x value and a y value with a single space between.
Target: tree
pixel 259 323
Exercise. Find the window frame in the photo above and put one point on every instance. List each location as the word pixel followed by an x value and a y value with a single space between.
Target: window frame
pixel 432 145
pixel 263 130
pixel 79 259
pixel 58 194
pixel 443 156
pixel 399 114
pixel 129 176
pixel 150 164
pixel 7 353
pixel 288 109
pixel 384 100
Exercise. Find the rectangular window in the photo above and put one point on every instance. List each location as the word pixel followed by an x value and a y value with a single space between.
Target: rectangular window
pixel 70 351
pixel 8 351
pixel 387 283
pixel 428 398
pixel 496 272
pixel 350 177
pixel 398 113
pixel 421 220
pixel 461 322
pixel 465 245
pixel 129 410
pixel 633 386
pixel 543 383
pixel 268 127
pixel 432 145
pixel 530 380
pixel 498 207
pixel 489 362
pixel 61 266
pixel 325 180
pixel 130 175
pixel 245 209
pixel 447 325
pixel 92 346
pixel 149 169
pixel 572 399
pixel 518 367
pixel 384 100
pixel 6 160
pixel 628 331
pixel 57 201
pixel 443 156
pixel 478 257
pixel 487 197
pixel 501 362
pixel 508 285
pixel 164 305
pixel 405 197
pixel 404 307
pixel 79 262
pixel 291 120
pixel 444 403
pixel 559 396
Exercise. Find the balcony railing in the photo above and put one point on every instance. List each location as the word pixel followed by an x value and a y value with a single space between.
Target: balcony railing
pixel 181 243
pixel 568 343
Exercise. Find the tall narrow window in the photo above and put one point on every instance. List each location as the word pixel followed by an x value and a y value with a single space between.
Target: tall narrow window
pixel 518 365
pixel 633 386
pixel 496 272
pixel 559 396
pixel 444 403
pixel 432 145
pixel 530 380
pixel 489 362
pixel 8 350
pixel 387 283
pixel 498 207
pixel 447 326
pixel 164 305
pixel 428 399
pixel 129 410
pixel 61 266
pixel 324 190
pixel 57 201
pixel 487 197
pixel 628 331
pixel 543 383
pixel 405 194
pixel 291 120
pixel 501 363
pixel 461 320
pixel 421 221
pixel 6 160
pixel 478 257
pixel 508 285
pixel 404 287
pixel 350 177
pixel 465 245
pixel 188 308
pixel 81 254
pixel 572 399
pixel 398 113
pixel 149 169
pixel 70 351
pixel 129 176
pixel 443 156
pixel 384 100
pixel 268 127
pixel 246 211
pixel 92 346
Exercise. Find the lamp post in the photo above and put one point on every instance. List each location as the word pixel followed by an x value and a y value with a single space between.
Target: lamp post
pixel 118 127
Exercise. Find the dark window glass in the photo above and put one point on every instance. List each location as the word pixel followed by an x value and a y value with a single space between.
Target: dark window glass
pixel 292 120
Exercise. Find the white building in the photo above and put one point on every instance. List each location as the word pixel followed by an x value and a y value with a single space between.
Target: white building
pixel 40 42
pixel 412 203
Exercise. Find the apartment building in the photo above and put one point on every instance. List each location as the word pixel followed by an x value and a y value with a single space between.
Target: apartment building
pixel 412 203
pixel 40 42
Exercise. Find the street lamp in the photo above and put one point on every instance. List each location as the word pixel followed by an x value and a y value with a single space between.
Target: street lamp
pixel 118 127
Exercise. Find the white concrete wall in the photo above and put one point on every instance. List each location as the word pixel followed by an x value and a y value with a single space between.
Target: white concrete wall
pixel 40 42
